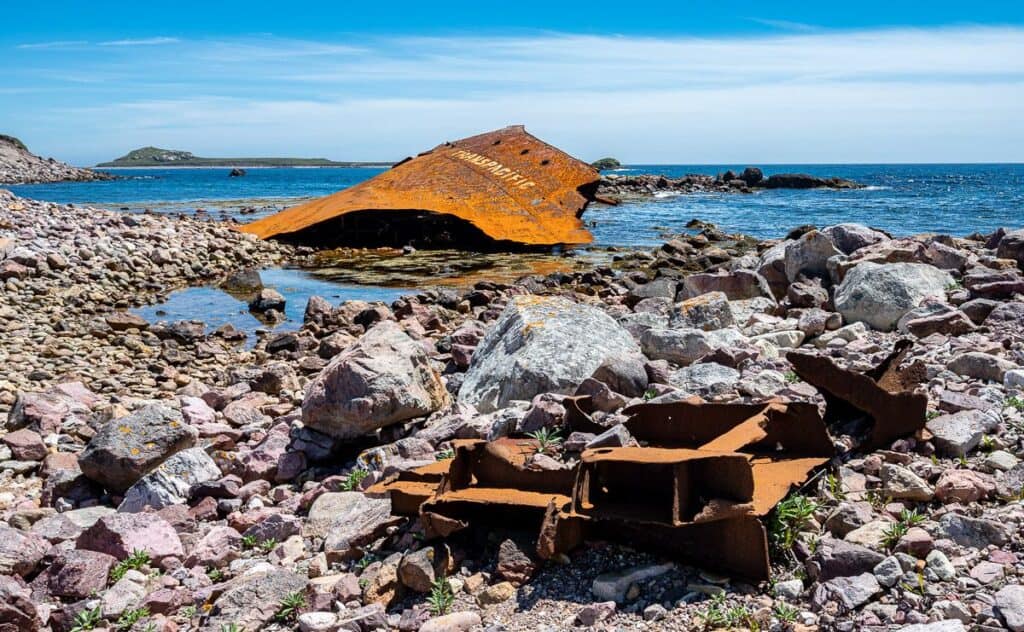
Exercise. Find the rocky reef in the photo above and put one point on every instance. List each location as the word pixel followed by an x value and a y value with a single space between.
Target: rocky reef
pixel 160 476
pixel 18 165
pixel 750 179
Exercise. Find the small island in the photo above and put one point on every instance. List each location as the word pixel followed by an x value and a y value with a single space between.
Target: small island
pixel 156 157
pixel 603 164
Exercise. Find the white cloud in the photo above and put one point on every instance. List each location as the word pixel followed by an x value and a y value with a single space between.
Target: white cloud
pixel 56 44
pixel 148 41
pixel 873 96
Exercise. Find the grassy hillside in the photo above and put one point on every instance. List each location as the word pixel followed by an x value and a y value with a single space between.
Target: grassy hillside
pixel 156 157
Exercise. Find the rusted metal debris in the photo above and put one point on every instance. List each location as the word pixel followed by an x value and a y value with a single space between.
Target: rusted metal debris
pixel 698 486
pixel 887 395
pixel 507 184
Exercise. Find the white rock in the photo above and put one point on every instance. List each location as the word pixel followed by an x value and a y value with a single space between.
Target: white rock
pixel 880 294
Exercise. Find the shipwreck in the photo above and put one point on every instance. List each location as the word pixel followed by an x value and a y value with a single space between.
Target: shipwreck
pixel 504 189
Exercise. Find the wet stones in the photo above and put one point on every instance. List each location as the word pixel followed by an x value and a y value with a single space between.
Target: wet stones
pixel 126 449
pixel 382 379
pixel 538 345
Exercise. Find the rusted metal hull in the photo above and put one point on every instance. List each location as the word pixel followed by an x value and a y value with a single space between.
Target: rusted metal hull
pixel 509 185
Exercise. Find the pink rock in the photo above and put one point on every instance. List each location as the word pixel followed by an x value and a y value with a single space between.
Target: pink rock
pixel 916 541
pixel 121 534
pixel 20 552
pixel 277 527
pixel 218 548
pixel 26 445
pixel 196 412
pixel 76 574
pixel 987 572
pixel 963 486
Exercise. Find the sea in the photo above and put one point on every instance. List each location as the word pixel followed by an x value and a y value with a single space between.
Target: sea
pixel 903 199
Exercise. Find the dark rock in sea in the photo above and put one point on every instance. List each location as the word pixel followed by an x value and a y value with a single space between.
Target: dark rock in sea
pixel 752 176
pixel 805 181
pixel 236 173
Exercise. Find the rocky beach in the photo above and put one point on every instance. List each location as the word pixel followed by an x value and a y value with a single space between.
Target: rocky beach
pixel 18 165
pixel 164 476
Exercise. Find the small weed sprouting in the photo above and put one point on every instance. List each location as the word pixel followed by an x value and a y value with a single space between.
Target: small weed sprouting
pixel 931 414
pixel 268 545
pixel 230 627
pixel 444 455
pixel 719 614
pixel 215 574
pixel 365 560
pixel 354 478
pixel 650 394
pixel 834 486
pixel 136 560
pixel 785 612
pixel 892 534
pixel 289 608
pixel 791 377
pixel 249 541
pixel 130 617
pixel 912 517
pixel 87 619
pixel 188 611
pixel 1015 403
pixel 441 596
pixel 547 439
pixel 790 515
pixel 988 443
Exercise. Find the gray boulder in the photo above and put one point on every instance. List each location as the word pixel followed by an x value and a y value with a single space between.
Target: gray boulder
pixel 809 255
pixel 981 366
pixel 707 377
pixel 251 601
pixel 1010 604
pixel 1011 246
pixel 384 378
pixel 541 345
pixel 170 482
pixel 849 238
pixel 709 312
pixel 686 346
pixel 126 449
pixel 880 294
pixel 738 285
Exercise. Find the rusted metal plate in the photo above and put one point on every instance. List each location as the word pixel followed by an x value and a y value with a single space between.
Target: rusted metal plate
pixel 887 394
pixel 666 486
pixel 411 488
pixel 507 183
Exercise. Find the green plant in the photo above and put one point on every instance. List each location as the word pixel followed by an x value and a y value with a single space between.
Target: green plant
pixel 87 619
pixel 188 611
pixel 931 414
pixel 1016 403
pixel 785 612
pixel 834 485
pixel 650 394
pixel 249 541
pixel 150 627
pixel 230 627
pixel 892 534
pixel 268 545
pixel 445 454
pixel 215 574
pixel 290 606
pixel 353 479
pixel 988 443
pixel 791 377
pixel 441 596
pixel 954 286
pixel 719 614
pixel 129 617
pixel 790 515
pixel 135 560
pixel 365 560
pixel 912 517
pixel 962 460
pixel 548 439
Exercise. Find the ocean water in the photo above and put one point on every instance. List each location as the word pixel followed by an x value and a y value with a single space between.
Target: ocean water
pixel 902 199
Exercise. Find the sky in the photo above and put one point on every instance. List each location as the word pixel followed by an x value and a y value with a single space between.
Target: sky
pixel 733 82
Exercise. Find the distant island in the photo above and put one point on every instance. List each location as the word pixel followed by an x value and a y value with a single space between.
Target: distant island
pixel 156 157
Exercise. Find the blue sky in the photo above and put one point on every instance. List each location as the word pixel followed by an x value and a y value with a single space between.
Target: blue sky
pixel 697 82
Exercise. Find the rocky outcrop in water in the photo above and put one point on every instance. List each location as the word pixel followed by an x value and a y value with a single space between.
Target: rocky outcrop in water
pixel 20 166
pixel 748 180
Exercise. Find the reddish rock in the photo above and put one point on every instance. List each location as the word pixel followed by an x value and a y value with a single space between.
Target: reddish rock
pixel 963 486
pixel 121 534
pixel 20 552
pixel 916 541
pixel 515 562
pixel 26 445
pixel 17 610
pixel 76 574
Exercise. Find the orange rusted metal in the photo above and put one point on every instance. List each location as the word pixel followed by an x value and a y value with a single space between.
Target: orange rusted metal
pixel 507 183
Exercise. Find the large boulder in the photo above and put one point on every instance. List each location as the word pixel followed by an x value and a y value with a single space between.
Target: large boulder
pixel 123 533
pixel 880 294
pixel 1011 246
pixel 20 552
pixel 383 379
pixel 126 449
pixel 850 238
pixel 809 255
pixel 541 345
pixel 170 482
pixel 251 601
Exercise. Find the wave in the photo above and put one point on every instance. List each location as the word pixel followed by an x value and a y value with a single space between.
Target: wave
pixel 876 187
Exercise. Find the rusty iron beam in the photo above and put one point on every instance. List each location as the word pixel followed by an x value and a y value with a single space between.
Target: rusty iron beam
pixel 887 394
pixel 508 184
pixel 411 488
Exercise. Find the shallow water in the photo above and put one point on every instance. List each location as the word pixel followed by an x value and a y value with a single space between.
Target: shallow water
pixel 215 307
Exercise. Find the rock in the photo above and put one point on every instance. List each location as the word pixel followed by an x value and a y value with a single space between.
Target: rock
pixel 267 299
pixel 126 449
pixel 888 571
pixel 957 434
pixel 277 527
pixel 594 613
pixel 1000 461
pixel 849 592
pixel 1014 378
pixel 900 483
pixel 347 521
pixel 963 486
pixel 705 377
pixel 236 173
pixel 123 321
pixel 837 558
pixel 709 312
pixel 498 593
pixel 623 374
pixel 916 541
pixel 789 589
pixel 808 255
pixel 26 445
pixel 251 601
pixel 216 549
pixel 541 345
pixel 416 570
pixel 880 294
pixel 126 593
pixel 170 482
pixel 973 532
pixel 17 610
pixel 76 574
pixel 1009 602
pixel 20 552
pixel 1011 246
pixel 870 535
pixel 938 563
pixel 454 622
pixel 122 534
pixel 613 586
pixel 317 622
pixel 849 238
pixel 686 346
pixel 737 285
pixel 937 626
pixel 515 562
pixel 383 379
pixel 980 366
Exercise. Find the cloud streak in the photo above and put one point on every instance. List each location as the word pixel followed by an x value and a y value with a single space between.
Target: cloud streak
pixel 148 41
pixel 877 95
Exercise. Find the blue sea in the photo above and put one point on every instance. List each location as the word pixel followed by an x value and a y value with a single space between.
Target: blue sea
pixel 901 199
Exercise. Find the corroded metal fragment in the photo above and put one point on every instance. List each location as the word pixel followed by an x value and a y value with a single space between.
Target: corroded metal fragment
pixel 509 185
